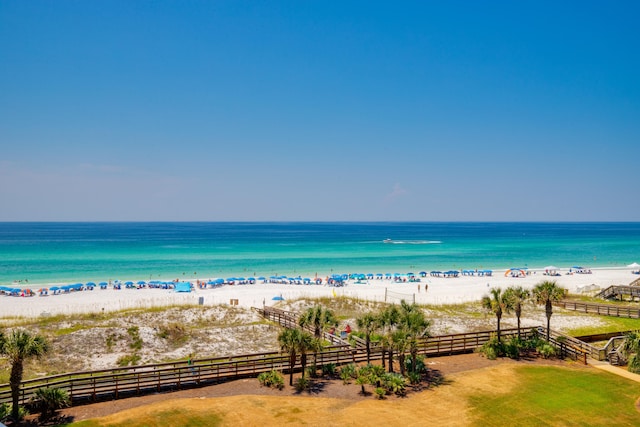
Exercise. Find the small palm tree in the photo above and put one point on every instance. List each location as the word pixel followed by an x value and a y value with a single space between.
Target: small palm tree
pixel 295 342
pixel 496 303
pixel 49 400
pixel 19 346
pixel 415 325
pixel 518 296
pixel 546 293
pixel 400 341
pixel 367 324
pixel 388 320
pixel 317 318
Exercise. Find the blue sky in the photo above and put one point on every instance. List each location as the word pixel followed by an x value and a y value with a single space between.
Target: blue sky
pixel 286 111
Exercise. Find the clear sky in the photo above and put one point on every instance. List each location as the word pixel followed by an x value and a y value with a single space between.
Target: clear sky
pixel 316 110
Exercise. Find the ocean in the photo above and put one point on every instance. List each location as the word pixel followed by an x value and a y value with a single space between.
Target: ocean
pixel 84 251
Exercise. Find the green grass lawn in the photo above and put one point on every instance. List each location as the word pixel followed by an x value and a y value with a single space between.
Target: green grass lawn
pixel 544 396
pixel 549 396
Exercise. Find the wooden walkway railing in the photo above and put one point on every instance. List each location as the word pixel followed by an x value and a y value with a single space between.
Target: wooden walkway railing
pixel 137 380
pixel 619 291
pixel 289 319
pixel 601 309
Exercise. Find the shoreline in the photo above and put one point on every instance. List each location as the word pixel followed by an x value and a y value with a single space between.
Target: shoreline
pixel 429 290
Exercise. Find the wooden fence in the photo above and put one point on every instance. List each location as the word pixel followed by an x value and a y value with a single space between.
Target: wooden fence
pixel 601 309
pixel 137 380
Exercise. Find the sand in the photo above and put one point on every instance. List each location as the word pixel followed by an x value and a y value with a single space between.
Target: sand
pixel 439 290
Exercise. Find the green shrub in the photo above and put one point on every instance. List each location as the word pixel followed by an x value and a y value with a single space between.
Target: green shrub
pixel 414 378
pixel 129 360
pixel 421 367
pixel 5 411
pixel 493 348
pixel 512 348
pixel 48 400
pixel 395 383
pixel 329 369
pixel 546 350
pixel 312 371
pixel 380 392
pixel 302 384
pixel 136 340
pixel 174 333
pixel 634 364
pixel 273 379
pixel 348 371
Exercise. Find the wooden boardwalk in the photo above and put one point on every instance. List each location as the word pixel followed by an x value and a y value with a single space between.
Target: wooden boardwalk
pixel 601 309
pixel 619 291
pixel 137 380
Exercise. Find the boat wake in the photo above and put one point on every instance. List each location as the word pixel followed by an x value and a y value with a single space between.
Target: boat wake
pixel 412 242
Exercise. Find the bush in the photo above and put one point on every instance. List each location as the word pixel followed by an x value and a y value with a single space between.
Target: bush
pixel 532 342
pixel 512 348
pixel 634 364
pixel 395 383
pixel 421 367
pixel 348 372
pixel 546 350
pixel 132 359
pixel 302 384
pixel 273 379
pixel 312 371
pixel 5 410
pixel 493 348
pixel 329 369
pixel 380 392
pixel 414 378
pixel 48 400
pixel 174 333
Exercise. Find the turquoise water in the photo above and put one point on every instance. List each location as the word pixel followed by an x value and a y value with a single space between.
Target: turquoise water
pixel 81 252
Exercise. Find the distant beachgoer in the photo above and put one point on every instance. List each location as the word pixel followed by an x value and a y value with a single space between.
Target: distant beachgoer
pixel 347 329
pixel 418 288
pixel 426 287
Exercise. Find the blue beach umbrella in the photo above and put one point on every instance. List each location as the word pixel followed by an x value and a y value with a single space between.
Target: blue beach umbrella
pixel 141 282
pixel 277 298
pixel 90 284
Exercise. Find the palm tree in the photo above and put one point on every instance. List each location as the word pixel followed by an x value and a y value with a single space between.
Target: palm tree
pixel 388 320
pixel 49 400
pixel 295 342
pixel 415 325
pixel 546 293
pixel 496 303
pixel 19 346
pixel 400 341
pixel 518 296
pixel 367 325
pixel 317 318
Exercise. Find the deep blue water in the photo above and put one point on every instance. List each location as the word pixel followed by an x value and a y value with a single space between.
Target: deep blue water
pixel 80 252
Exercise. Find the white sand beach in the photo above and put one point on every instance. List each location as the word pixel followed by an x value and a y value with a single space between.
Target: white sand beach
pixel 429 290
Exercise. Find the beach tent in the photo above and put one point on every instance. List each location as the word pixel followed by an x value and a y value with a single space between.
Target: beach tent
pixel 183 287
pixel 515 272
